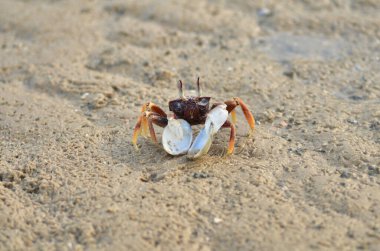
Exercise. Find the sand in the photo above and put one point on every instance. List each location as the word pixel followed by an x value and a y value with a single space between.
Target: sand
pixel 74 74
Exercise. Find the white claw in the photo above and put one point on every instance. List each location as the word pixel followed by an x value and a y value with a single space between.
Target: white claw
pixel 177 137
pixel 214 121
pixel 217 117
pixel 201 144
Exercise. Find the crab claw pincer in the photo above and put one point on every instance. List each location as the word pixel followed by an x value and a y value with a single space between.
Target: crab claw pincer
pixel 214 121
pixel 177 137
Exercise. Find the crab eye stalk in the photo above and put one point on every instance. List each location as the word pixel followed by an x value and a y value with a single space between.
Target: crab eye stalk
pixel 181 92
pixel 199 90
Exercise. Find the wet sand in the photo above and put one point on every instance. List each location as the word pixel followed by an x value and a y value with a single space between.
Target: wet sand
pixel 74 74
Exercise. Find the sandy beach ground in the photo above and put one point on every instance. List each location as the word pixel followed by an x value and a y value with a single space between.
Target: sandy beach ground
pixel 74 74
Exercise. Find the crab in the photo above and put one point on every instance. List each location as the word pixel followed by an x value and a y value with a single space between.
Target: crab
pixel 189 111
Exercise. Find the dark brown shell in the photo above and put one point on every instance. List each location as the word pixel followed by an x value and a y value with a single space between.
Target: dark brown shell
pixel 192 109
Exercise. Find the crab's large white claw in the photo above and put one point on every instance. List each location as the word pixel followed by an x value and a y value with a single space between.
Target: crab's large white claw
pixel 177 137
pixel 201 144
pixel 216 117
pixel 214 121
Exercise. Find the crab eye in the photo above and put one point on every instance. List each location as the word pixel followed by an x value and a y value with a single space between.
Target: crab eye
pixel 177 107
pixel 203 102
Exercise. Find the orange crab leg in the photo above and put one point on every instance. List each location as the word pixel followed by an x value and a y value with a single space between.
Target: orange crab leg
pixel 150 113
pixel 152 132
pixel 154 118
pixel 144 122
pixel 231 143
pixel 233 116
pixel 149 118
pixel 155 108
pixel 248 115
pixel 232 104
pixel 149 107
pixel 144 126
pixel 136 131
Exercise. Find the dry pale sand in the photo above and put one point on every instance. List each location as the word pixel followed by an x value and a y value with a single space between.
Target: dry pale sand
pixel 73 75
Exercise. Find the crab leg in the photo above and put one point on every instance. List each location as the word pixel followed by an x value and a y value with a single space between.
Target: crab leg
pixel 155 108
pixel 150 113
pixel 231 143
pixel 233 116
pixel 154 118
pixel 144 122
pixel 232 104
pixel 137 131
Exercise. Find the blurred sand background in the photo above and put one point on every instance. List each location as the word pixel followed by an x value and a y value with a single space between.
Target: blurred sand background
pixel 73 75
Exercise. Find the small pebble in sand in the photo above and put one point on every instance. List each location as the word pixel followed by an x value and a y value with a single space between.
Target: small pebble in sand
pixel 373 170
pixel 289 73
pixel 200 175
pixel 375 125
pixel 265 117
pixel 85 95
pixel 264 12
pixel 345 174
pixel 217 220
pixel 352 121
pixel 298 150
